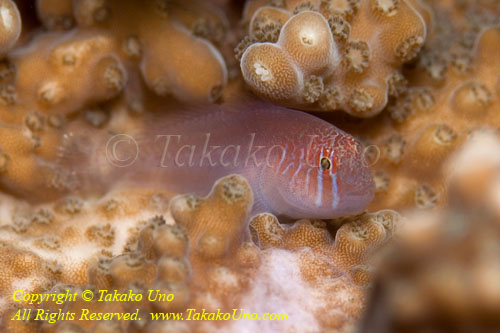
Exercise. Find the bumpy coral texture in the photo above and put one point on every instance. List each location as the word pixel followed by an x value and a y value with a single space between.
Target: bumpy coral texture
pixel 115 65
pixel 103 63
pixel 331 55
pixel 50 243
pixel 443 272
pixel 453 90
pixel 10 25
pixel 205 253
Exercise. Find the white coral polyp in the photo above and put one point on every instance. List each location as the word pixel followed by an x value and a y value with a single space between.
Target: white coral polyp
pixel 263 73
pixel 308 37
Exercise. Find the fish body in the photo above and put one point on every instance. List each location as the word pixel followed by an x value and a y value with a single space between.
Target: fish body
pixel 297 164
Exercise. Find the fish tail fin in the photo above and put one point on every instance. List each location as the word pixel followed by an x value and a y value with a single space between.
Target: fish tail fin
pixel 83 163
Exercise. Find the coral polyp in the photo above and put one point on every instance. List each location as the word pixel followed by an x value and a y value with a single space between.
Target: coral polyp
pixel 208 254
pixel 10 27
pixel 355 47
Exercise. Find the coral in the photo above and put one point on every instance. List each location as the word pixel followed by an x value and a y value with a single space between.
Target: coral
pixel 350 47
pixel 57 242
pixel 56 14
pixel 100 67
pixel 347 255
pixel 206 252
pixel 230 200
pixel 442 272
pixel 198 75
pixel 428 73
pixel 431 120
pixel 62 73
pixel 10 25
pixel 25 141
pixel 181 60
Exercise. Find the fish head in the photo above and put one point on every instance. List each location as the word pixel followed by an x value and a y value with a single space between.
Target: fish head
pixel 327 178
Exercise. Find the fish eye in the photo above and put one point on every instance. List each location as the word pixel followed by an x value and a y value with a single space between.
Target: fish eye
pixel 325 163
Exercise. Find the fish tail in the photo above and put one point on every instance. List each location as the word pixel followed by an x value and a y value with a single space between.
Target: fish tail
pixel 83 162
